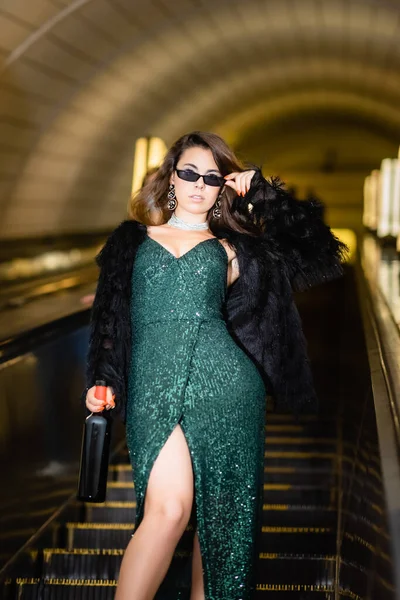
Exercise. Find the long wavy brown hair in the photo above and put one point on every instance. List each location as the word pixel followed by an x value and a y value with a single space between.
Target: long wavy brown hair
pixel 149 204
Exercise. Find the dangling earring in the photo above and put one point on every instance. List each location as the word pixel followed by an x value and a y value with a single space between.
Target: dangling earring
pixel 171 204
pixel 217 208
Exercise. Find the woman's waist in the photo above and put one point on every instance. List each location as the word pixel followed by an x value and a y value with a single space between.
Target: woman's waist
pixel 178 320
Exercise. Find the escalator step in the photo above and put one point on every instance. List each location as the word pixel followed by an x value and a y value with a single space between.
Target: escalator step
pixel 65 589
pixel 273 591
pixel 286 515
pixel 298 570
pixel 312 429
pixel 290 418
pixel 277 458
pixel 82 563
pixel 120 491
pixel 281 493
pixel 88 564
pixel 300 444
pixel 294 476
pixel 98 535
pixel 104 535
pixel 110 512
pixel 122 473
pixel 300 540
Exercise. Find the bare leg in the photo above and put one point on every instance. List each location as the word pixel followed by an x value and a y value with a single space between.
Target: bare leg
pixel 167 509
pixel 197 591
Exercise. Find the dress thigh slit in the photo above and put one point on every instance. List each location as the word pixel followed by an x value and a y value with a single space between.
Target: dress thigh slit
pixel 177 582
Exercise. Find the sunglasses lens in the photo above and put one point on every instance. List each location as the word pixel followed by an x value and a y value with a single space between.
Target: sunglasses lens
pixel 187 175
pixel 213 180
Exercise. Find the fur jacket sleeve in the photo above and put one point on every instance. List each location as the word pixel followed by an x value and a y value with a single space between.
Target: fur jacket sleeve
pixel 293 229
pixel 294 251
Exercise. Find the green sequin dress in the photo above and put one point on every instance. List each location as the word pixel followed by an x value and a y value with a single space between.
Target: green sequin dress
pixel 187 369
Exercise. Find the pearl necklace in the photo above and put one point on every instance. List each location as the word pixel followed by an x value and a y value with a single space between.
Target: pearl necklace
pixel 175 221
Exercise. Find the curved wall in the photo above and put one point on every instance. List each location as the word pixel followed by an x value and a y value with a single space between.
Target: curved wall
pixel 82 79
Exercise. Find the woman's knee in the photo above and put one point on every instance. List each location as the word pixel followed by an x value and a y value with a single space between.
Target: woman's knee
pixel 170 490
pixel 172 513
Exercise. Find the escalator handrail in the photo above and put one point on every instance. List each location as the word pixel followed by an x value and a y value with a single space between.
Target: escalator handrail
pixel 383 347
pixel 25 341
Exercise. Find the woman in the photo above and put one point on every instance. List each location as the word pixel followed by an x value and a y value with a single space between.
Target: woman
pixel 192 324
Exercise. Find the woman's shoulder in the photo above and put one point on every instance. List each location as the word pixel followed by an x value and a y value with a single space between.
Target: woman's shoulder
pixel 126 228
pixel 127 225
pixel 122 239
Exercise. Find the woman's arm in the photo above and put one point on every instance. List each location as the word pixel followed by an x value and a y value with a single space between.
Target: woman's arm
pixel 233 263
pixel 110 320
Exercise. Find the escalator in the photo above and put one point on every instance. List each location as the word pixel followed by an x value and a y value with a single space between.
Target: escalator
pixel 325 525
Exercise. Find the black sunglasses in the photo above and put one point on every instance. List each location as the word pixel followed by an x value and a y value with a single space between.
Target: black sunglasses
pixel 189 175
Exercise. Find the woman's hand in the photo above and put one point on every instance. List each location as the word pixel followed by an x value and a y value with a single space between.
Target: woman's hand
pixel 240 182
pixel 96 405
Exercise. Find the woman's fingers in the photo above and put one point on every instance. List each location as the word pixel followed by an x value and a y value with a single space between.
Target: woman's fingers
pixel 93 407
pixel 95 404
pixel 231 184
pixel 110 398
pixel 240 182
pixel 245 180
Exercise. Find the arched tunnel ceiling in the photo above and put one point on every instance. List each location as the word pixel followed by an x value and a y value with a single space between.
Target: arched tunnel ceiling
pixel 82 79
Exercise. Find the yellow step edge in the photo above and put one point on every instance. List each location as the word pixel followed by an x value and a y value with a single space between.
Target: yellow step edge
pixel 259 586
pixel 120 468
pixel 277 556
pixel 295 486
pixel 293 587
pixel 71 582
pixel 112 504
pixel 123 526
pixel 277 486
pixel 297 440
pixel 298 507
pixel 268 529
pixel 284 428
pixel 280 470
pixel 272 454
pixel 48 552
pixel 120 484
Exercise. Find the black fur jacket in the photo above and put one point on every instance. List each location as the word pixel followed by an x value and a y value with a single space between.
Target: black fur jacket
pixel 295 251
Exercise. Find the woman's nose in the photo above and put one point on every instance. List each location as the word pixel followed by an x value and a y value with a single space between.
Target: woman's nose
pixel 200 182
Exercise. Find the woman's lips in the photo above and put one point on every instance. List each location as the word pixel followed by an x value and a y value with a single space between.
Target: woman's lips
pixel 196 198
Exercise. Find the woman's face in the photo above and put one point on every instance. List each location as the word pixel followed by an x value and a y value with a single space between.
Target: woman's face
pixel 195 197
